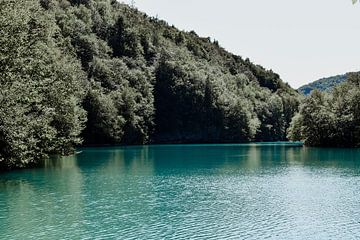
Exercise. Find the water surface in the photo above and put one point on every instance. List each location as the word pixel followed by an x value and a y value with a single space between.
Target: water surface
pixel 254 191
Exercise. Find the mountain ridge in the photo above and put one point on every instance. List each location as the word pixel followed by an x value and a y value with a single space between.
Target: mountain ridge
pixel 323 84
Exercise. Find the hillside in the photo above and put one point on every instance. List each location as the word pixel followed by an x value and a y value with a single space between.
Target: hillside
pixel 99 72
pixel 330 119
pixel 323 84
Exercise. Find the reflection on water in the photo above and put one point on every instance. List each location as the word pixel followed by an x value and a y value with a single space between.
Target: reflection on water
pixel 249 191
pixel 33 202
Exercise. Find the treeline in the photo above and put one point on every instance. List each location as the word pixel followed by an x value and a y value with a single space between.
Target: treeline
pixel 323 84
pixel 100 72
pixel 330 119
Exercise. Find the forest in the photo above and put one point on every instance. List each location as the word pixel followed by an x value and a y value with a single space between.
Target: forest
pixel 323 84
pixel 330 119
pixel 99 72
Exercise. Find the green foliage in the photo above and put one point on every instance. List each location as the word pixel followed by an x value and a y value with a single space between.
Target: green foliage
pixel 330 119
pixel 137 79
pixel 40 87
pixel 104 125
pixel 323 85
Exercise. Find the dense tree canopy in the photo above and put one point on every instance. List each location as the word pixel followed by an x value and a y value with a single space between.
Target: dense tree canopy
pixel 330 119
pixel 41 85
pixel 323 85
pixel 101 72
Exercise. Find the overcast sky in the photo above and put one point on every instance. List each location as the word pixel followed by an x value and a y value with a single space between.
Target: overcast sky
pixel 301 40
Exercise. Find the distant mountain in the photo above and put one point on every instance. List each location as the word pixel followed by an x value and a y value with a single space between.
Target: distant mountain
pixel 323 84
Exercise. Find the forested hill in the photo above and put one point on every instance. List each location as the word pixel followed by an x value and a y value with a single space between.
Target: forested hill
pixel 100 72
pixel 323 84
pixel 330 119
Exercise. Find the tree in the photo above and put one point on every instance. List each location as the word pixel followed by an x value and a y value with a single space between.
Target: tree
pixel 105 124
pixel 330 119
pixel 41 87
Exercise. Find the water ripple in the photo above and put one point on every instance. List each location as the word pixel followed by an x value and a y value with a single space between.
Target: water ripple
pixel 221 193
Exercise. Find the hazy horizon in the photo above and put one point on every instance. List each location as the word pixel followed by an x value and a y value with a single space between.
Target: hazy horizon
pixel 302 41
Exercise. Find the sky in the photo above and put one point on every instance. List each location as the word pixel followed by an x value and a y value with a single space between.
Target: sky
pixel 301 40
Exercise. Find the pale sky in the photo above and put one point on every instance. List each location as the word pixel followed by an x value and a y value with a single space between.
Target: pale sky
pixel 301 40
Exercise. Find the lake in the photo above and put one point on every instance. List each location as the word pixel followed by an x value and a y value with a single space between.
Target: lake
pixel 250 191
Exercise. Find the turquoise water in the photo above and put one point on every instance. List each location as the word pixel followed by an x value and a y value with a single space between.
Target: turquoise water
pixel 270 191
